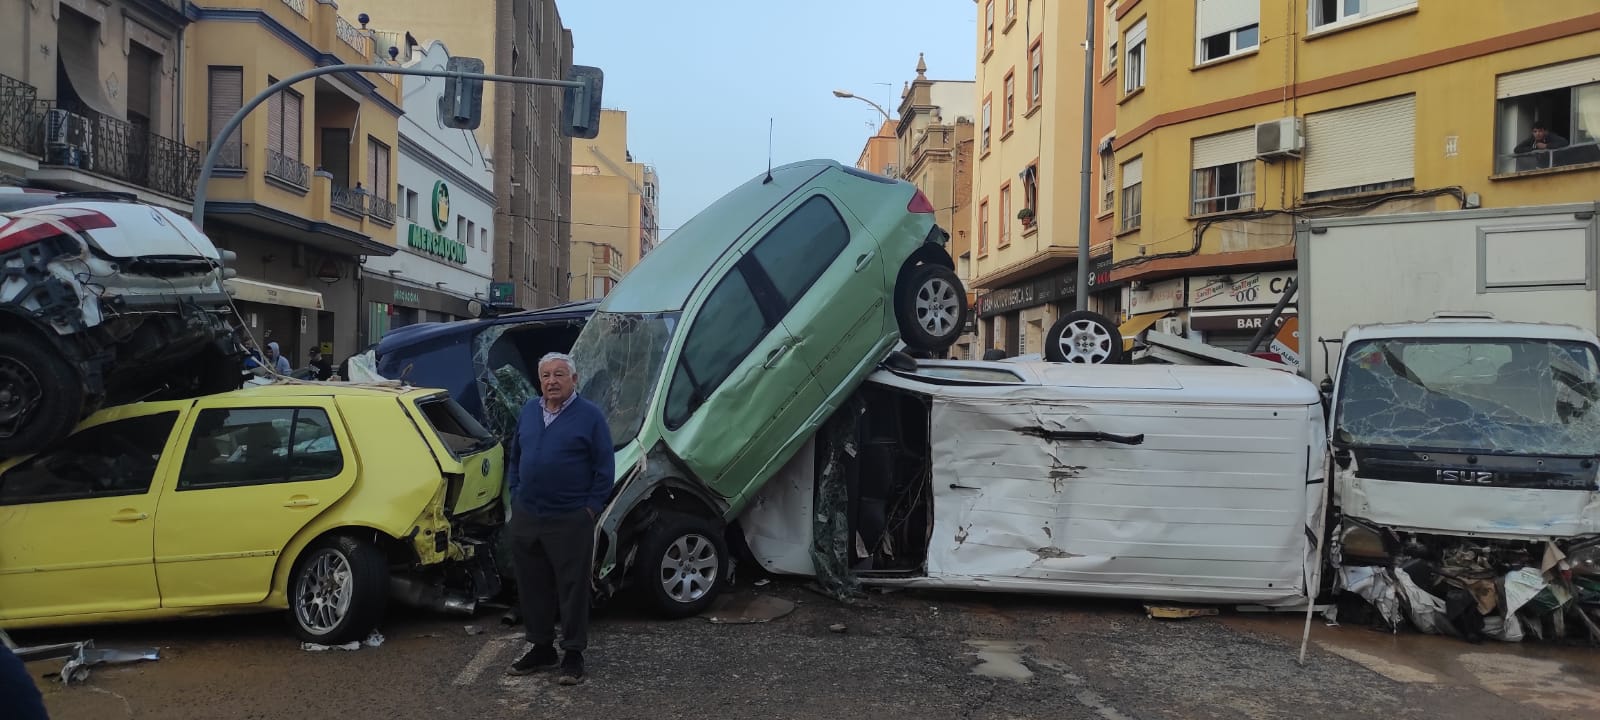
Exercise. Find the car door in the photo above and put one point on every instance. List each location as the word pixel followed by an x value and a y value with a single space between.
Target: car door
pixel 826 270
pixel 76 520
pixel 251 477
pixel 740 395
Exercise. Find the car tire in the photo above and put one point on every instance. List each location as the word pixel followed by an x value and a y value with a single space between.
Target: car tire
pixel 1086 337
pixel 682 564
pixel 41 395
pixel 930 307
pixel 338 590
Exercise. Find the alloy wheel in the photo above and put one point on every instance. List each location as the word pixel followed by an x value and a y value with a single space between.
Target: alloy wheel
pixel 689 568
pixel 323 592
pixel 1085 341
pixel 938 307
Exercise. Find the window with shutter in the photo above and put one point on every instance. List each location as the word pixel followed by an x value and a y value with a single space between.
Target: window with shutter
pixel 291 124
pixel 1363 148
pixel 275 120
pixel 225 90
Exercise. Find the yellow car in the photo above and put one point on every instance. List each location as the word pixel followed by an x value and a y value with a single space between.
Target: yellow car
pixel 290 496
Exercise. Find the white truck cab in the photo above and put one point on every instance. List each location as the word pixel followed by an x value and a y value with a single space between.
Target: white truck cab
pixel 1467 426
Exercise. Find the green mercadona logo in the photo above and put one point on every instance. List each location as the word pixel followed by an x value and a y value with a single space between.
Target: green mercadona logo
pixel 441 206
pixel 433 243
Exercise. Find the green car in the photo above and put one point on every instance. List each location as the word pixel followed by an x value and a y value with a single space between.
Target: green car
pixel 729 345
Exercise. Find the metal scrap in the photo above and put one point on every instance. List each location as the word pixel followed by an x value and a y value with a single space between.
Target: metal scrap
pixel 80 656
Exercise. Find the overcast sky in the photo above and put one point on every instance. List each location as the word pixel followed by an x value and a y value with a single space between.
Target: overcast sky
pixel 700 79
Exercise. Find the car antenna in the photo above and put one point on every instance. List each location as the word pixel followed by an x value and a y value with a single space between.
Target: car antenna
pixel 769 152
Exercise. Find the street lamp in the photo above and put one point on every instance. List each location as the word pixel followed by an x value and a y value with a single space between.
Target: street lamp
pixel 900 169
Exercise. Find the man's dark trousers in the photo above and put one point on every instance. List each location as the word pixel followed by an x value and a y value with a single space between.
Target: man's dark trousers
pixel 553 555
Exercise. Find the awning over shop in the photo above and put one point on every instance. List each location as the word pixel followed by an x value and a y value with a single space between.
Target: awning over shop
pixel 256 291
pixel 1138 324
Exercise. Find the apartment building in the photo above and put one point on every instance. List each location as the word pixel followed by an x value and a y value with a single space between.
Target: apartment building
pixel 1235 117
pixel 520 133
pixel 934 139
pixel 1026 169
pixel 444 207
pixel 881 153
pixel 304 190
pixel 614 215
pixel 90 98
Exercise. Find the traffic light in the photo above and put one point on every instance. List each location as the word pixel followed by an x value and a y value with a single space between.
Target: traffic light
pixel 462 104
pixel 580 108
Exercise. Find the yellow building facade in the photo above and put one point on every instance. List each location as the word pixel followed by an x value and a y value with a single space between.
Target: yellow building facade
pixel 306 186
pixel 1027 155
pixel 614 201
pixel 1234 117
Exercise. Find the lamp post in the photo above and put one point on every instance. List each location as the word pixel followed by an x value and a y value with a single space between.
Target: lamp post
pixel 900 168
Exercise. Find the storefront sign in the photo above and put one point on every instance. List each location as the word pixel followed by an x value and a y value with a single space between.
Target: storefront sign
pixel 1155 297
pixel 385 292
pixel 432 243
pixel 1247 288
pixel 1060 286
pixel 403 296
pixel 502 293
pixel 1236 322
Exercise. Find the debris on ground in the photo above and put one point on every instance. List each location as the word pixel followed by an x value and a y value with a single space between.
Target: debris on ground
pixel 375 639
pixel 317 647
pixel 80 656
pixel 747 609
pixel 763 582
pixel 838 627
pixel 473 630
pixel 1477 590
pixel 1176 612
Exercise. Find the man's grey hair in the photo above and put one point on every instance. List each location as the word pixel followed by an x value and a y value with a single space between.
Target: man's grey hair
pixel 559 357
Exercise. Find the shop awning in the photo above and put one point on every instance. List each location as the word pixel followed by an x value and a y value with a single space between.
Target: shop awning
pixel 256 291
pixel 1138 324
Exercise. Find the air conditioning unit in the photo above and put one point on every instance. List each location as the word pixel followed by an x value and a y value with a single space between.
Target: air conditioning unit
pixel 66 138
pixel 1284 137
pixel 1170 325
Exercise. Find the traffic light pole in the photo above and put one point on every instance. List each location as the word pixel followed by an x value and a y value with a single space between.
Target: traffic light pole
pixel 233 123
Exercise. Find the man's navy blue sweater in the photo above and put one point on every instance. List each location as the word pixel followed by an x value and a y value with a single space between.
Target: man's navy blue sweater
pixel 562 468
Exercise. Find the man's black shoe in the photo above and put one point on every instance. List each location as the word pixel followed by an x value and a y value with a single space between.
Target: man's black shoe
pixel 541 657
pixel 572 668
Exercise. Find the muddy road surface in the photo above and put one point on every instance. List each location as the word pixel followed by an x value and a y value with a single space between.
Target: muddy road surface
pixel 904 655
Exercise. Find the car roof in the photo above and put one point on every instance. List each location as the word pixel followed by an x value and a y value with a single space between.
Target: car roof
pixel 301 389
pixel 664 278
pixel 1473 328
pixel 21 198
pixel 413 335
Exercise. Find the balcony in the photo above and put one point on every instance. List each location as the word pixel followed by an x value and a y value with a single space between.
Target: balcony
pixel 20 111
pixel 288 170
pixel 380 210
pixel 84 140
pixel 350 201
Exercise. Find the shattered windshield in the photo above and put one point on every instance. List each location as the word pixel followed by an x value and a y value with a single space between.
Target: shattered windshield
pixel 619 358
pixel 1503 396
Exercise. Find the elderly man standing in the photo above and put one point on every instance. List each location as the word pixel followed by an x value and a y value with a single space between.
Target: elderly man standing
pixel 560 468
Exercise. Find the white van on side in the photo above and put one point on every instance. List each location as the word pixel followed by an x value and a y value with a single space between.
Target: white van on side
pixel 1152 482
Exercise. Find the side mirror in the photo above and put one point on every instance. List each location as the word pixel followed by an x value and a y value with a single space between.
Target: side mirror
pixel 462 104
pixel 580 106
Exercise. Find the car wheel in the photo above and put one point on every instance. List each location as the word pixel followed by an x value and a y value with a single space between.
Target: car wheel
pixel 41 397
pixel 931 308
pixel 338 590
pixel 1082 336
pixel 682 564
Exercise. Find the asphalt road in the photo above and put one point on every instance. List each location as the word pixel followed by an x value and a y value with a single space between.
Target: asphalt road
pixel 904 655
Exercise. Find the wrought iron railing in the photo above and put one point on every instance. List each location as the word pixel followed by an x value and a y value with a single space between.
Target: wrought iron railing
pixel 115 148
pixel 350 200
pixel 380 209
pixel 298 6
pixel 351 35
pixel 288 169
pixel 19 115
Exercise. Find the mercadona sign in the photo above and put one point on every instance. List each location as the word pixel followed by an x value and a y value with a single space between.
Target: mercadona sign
pixel 432 243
